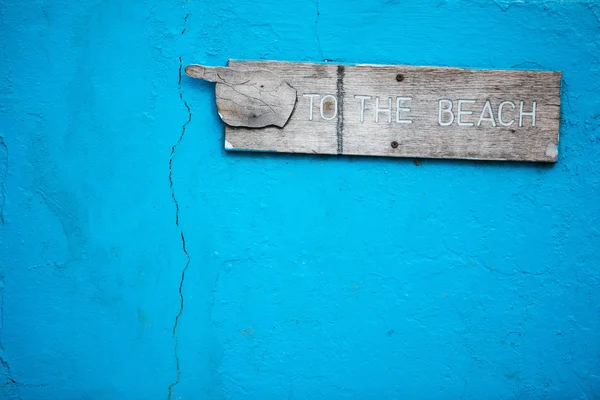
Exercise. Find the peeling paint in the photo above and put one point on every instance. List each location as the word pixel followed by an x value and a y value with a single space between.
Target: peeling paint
pixel 552 150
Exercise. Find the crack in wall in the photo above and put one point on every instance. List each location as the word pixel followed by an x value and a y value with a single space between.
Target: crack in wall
pixel 317 32
pixel 9 381
pixel 11 386
pixel 3 177
pixel 183 244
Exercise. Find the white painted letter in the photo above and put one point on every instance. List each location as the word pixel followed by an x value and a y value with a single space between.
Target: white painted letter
pixel 460 112
pixel 310 107
pixel 445 110
pixel 488 107
pixel 386 110
pixel 335 107
pixel 362 105
pixel 500 120
pixel 406 109
pixel 521 114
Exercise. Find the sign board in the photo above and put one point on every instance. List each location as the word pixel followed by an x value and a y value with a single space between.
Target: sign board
pixel 398 111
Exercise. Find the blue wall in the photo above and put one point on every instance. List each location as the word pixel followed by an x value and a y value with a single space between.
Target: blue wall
pixel 308 277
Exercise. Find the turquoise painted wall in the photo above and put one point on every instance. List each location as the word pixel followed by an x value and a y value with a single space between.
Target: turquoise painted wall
pixel 306 277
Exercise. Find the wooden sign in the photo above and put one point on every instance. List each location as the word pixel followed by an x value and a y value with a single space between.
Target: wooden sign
pixel 386 110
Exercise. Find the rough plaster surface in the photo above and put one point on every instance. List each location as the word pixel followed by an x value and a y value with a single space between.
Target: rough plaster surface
pixel 133 269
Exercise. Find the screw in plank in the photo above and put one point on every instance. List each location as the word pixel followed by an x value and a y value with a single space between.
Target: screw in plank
pixel 394 145
pixel 399 77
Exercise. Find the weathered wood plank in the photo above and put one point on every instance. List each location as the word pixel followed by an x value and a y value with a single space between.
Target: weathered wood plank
pixel 248 97
pixel 406 111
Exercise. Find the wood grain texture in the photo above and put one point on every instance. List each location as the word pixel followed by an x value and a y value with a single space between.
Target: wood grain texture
pixel 486 133
pixel 248 97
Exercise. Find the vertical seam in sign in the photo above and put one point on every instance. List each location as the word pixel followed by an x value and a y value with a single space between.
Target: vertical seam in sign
pixel 340 99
